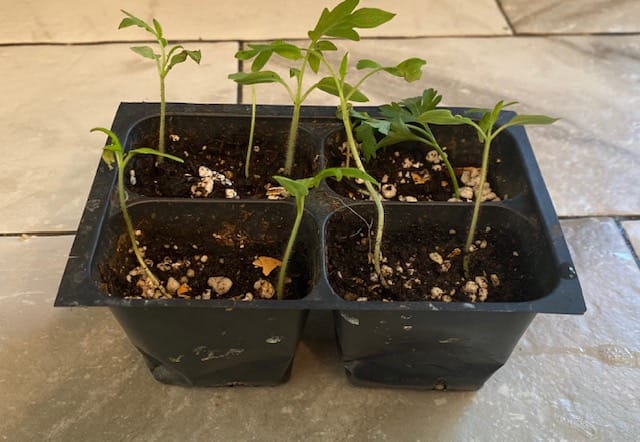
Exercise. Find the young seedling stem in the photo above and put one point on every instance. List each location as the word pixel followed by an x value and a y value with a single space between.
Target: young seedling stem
pixel 252 130
pixel 114 153
pixel 165 61
pixel 300 189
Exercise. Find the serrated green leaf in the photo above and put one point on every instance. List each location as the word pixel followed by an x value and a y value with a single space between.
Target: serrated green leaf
pixel 368 144
pixel 195 55
pixel 256 77
pixel 328 85
pixel 150 151
pixel 340 172
pixel 132 20
pixel 314 61
pixel 367 64
pixel 114 138
pixel 354 95
pixel 287 50
pixel 145 51
pixel 296 188
pixel 326 45
pixel 521 120
pixel 409 69
pixel 344 63
pixel 180 57
pixel 246 54
pixel 442 117
pixel 370 17
pixel 158 28
pixel 126 22
pixel 261 59
pixel 343 31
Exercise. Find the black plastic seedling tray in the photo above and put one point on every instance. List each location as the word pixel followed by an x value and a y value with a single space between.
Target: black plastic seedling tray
pixel 431 345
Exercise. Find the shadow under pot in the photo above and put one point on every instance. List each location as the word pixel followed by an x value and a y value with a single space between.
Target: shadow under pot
pixel 437 327
pixel 199 337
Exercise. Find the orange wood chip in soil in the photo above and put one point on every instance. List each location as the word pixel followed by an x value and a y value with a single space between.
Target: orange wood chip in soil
pixel 267 264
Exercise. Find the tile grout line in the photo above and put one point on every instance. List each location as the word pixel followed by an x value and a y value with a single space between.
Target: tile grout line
pixel 512 29
pixel 239 90
pixel 390 37
pixel 625 237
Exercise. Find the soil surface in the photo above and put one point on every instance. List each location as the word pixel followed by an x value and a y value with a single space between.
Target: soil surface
pixel 412 171
pixel 223 158
pixel 426 265
pixel 202 263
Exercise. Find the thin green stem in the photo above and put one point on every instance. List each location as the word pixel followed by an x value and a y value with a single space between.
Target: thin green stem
pixel 373 193
pixel 163 111
pixel 252 130
pixel 298 98
pixel 476 208
pixel 431 141
pixel 287 252
pixel 291 141
pixel 129 225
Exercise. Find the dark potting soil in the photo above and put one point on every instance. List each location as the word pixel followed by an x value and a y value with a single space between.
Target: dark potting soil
pixel 416 273
pixel 224 156
pixel 407 166
pixel 192 255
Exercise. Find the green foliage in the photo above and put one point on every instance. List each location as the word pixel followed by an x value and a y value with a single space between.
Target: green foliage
pixel 299 189
pixel 165 60
pixel 114 153
pixel 342 22
pixel 487 132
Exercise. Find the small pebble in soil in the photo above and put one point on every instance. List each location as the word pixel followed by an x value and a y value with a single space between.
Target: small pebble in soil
pixel 174 137
pixel 362 299
pixel 436 257
pixel 386 271
pixel 433 157
pixel 230 194
pixel 495 281
pixel 445 267
pixel 220 284
pixel 132 177
pixel 389 191
pixel 264 289
pixel 172 285
pixel 466 193
pixel 411 199
pixel 276 193
pixel 436 293
pixel 248 297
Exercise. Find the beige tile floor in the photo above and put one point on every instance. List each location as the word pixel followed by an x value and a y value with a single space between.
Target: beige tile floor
pixel 72 375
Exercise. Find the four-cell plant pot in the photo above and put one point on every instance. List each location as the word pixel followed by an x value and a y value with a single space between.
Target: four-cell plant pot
pixel 438 326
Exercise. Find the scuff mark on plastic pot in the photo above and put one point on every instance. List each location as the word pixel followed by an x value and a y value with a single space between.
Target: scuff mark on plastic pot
pixel 273 340
pixel 449 340
pixel 92 205
pixel 350 319
pixel 206 354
